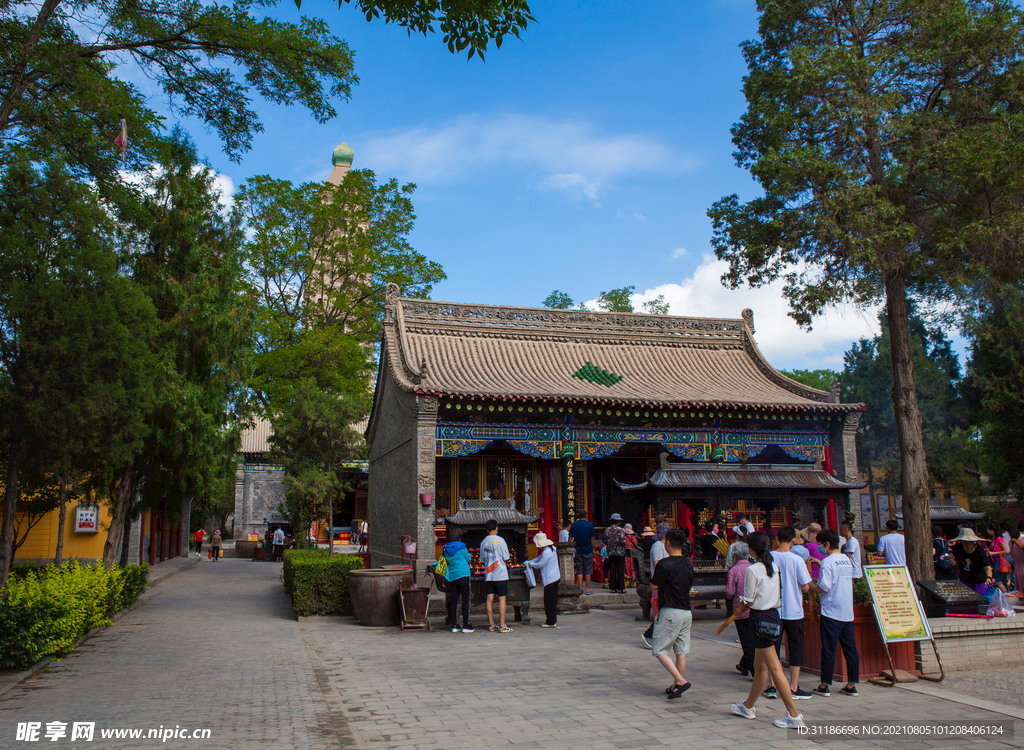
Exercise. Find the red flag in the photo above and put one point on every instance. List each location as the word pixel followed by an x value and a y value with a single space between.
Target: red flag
pixel 122 138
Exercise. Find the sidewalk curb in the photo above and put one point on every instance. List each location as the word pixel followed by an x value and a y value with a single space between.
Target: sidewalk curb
pixel 966 700
pixel 20 677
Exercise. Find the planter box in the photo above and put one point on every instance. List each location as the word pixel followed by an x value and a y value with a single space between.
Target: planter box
pixel 870 648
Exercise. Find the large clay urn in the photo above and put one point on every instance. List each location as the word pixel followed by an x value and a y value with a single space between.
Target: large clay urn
pixel 374 594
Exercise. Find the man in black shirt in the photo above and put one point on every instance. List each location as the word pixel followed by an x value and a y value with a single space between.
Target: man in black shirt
pixel 673 577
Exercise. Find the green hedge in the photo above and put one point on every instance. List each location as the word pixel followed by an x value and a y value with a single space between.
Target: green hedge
pixel 318 583
pixel 46 611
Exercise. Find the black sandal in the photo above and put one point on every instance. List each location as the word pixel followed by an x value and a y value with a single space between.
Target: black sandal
pixel 677 690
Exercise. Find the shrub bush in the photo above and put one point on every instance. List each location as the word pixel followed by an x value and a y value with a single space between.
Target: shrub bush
pixel 46 611
pixel 318 583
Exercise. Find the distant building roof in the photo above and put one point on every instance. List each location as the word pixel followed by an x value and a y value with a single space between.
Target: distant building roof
pixel 489 351
pixel 947 509
pixel 749 476
pixel 255 438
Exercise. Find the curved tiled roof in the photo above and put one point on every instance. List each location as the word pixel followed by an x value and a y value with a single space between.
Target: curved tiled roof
pixel 489 351
pixel 749 476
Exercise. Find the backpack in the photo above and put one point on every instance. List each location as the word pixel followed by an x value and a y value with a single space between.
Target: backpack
pixel 943 564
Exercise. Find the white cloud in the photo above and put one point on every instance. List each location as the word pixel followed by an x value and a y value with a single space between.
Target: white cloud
pixel 679 252
pixel 564 154
pixel 780 339
pixel 639 217
pixel 224 186
pixel 572 183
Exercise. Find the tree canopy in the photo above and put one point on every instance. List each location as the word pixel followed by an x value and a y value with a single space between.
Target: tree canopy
pixel 67 67
pixel 879 134
pixel 320 257
pixel 614 300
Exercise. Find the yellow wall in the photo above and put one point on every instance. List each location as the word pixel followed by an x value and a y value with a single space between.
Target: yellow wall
pixel 42 540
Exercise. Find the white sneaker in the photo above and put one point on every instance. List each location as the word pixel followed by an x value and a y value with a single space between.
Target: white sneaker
pixel 790 722
pixel 740 710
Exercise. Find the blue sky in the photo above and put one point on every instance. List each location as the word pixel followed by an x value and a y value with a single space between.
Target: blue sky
pixel 582 158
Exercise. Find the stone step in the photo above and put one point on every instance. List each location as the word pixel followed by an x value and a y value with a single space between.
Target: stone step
pixel 635 605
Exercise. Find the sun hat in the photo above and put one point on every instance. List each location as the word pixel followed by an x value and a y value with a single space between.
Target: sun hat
pixel 663 528
pixel 540 539
pixel 967 535
pixel 615 517
pixel 799 538
pixel 810 534
pixel 629 528
pixel 648 531
pixel 217 531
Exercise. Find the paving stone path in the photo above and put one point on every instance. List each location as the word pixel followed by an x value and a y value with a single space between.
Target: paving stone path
pixel 217 646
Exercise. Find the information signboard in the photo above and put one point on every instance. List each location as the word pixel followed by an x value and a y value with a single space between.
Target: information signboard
pixel 898 611
pixel 87 518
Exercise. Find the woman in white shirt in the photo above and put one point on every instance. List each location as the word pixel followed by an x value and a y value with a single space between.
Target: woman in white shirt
pixel 762 593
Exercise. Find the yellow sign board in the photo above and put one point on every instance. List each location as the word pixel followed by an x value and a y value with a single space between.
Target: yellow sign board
pixel 897 609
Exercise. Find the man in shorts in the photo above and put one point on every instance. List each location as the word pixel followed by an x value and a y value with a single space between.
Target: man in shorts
pixel 583 533
pixel 494 557
pixel 795 580
pixel 673 579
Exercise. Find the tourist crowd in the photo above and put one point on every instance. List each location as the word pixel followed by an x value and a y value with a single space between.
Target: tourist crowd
pixel 766 584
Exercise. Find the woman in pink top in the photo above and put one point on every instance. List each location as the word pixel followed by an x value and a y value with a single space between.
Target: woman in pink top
pixel 734 590
pixel 811 545
pixel 1017 555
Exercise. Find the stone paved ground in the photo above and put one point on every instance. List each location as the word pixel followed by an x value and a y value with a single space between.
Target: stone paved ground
pixel 217 646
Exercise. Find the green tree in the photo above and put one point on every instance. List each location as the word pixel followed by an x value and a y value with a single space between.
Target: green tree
pixel 558 301
pixel 76 366
pixel 313 437
pixel 878 134
pixel 60 87
pixel 820 379
pixel 616 300
pixel 997 374
pixel 186 255
pixel 946 415
pixel 320 258
pixel 657 306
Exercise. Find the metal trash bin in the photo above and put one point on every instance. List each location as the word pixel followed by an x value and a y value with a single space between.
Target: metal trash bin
pixel 413 603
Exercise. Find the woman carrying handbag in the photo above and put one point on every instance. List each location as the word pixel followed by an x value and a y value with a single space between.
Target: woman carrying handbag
pixel 762 595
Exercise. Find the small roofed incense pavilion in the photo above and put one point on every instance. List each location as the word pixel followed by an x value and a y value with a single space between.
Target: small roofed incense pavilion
pixel 566 414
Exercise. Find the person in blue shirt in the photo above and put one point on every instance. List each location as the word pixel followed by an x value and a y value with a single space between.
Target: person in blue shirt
pixel 456 554
pixel 893 545
pixel 583 533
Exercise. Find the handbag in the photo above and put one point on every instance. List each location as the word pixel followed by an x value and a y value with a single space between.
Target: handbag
pixel 767 630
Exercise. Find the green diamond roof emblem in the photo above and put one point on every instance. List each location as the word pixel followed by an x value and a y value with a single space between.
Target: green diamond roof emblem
pixel 594 374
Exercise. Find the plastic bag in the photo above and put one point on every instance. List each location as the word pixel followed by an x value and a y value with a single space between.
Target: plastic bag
pixel 531 579
pixel 1000 606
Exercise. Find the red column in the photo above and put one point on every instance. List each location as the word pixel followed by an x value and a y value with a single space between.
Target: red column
pixel 832 520
pixel 142 534
pixel 177 539
pixel 152 537
pixel 683 515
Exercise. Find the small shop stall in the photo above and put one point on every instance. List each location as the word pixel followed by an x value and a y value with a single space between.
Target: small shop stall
pixel 513 527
